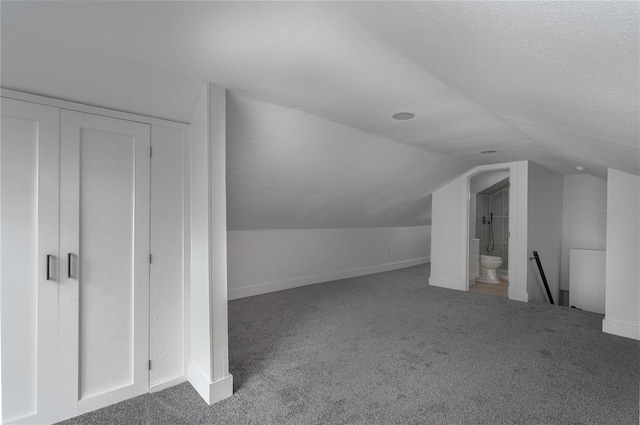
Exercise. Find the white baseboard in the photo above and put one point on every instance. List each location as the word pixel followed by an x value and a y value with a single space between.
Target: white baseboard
pixel 167 383
pixel 211 392
pixel 520 296
pixel 108 398
pixel 627 330
pixel 264 288
pixel 446 283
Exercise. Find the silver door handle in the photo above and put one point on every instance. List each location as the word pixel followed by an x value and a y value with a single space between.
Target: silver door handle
pixel 69 256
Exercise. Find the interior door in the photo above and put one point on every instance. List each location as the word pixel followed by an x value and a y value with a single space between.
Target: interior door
pixel 29 166
pixel 104 244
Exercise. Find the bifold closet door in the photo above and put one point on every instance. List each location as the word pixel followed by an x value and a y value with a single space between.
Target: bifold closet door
pixel 29 274
pixel 104 245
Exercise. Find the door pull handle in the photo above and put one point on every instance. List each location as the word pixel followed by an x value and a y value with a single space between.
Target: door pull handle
pixel 49 266
pixel 69 256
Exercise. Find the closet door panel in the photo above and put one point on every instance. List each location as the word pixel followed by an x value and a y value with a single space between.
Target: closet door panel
pixel 109 261
pixel 106 264
pixel 20 266
pixel 29 244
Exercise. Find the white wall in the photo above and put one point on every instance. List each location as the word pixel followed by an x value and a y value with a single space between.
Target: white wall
pixel 446 212
pixel 622 287
pixel 544 234
pixel 200 323
pixel 169 270
pixel 208 369
pixel 261 261
pixel 351 203
pixel 218 243
pixel 584 224
pixel 288 169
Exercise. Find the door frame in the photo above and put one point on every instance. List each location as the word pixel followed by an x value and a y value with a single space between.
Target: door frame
pixel 517 226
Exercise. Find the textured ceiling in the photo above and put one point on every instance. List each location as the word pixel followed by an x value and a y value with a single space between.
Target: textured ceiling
pixel 554 82
pixel 291 169
pixel 563 75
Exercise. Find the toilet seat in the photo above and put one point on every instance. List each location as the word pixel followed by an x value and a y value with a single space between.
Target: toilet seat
pixel 490 260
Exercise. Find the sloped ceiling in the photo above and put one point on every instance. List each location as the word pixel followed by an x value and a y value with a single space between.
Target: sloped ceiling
pixel 554 82
pixel 291 169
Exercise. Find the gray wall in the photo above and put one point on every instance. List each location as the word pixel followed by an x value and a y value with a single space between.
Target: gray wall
pixel 544 229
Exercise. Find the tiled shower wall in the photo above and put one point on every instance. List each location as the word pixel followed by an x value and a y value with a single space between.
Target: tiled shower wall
pixel 498 203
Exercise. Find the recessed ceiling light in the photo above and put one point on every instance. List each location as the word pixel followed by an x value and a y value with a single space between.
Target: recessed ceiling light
pixel 579 168
pixel 401 116
pixel 488 151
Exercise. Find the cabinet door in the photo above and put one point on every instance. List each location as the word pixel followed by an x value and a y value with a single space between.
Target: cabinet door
pixel 586 279
pixel 29 166
pixel 104 244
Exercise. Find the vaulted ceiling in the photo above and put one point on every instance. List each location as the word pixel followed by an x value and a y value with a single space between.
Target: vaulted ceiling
pixel 553 82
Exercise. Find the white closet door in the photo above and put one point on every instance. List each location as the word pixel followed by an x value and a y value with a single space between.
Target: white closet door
pixel 104 244
pixel 29 241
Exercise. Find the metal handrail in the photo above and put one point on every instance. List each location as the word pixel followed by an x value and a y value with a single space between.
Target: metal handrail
pixel 544 278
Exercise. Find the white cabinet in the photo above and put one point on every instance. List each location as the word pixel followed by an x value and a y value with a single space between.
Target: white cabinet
pixel 587 279
pixel 75 261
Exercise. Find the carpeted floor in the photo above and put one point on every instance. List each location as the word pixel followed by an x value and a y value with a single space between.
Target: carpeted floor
pixel 389 349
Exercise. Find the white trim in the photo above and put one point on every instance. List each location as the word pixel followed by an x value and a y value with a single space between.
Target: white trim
pixel 186 251
pixel 95 110
pixel 211 392
pixel 445 283
pixel 108 398
pixel 28 419
pixel 627 330
pixel 167 383
pixel 221 389
pixel 218 291
pixel 198 380
pixel 519 296
pixel 264 288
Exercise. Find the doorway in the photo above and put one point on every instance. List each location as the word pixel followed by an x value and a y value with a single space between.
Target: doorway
pixel 513 245
pixel 488 232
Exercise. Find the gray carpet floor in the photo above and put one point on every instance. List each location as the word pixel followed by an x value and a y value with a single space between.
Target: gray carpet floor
pixel 389 349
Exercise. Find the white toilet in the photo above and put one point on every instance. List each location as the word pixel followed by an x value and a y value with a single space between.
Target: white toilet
pixel 489 266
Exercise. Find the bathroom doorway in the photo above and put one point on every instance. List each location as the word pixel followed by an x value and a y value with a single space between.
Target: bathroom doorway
pixel 515 230
pixel 491 221
pixel 488 232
